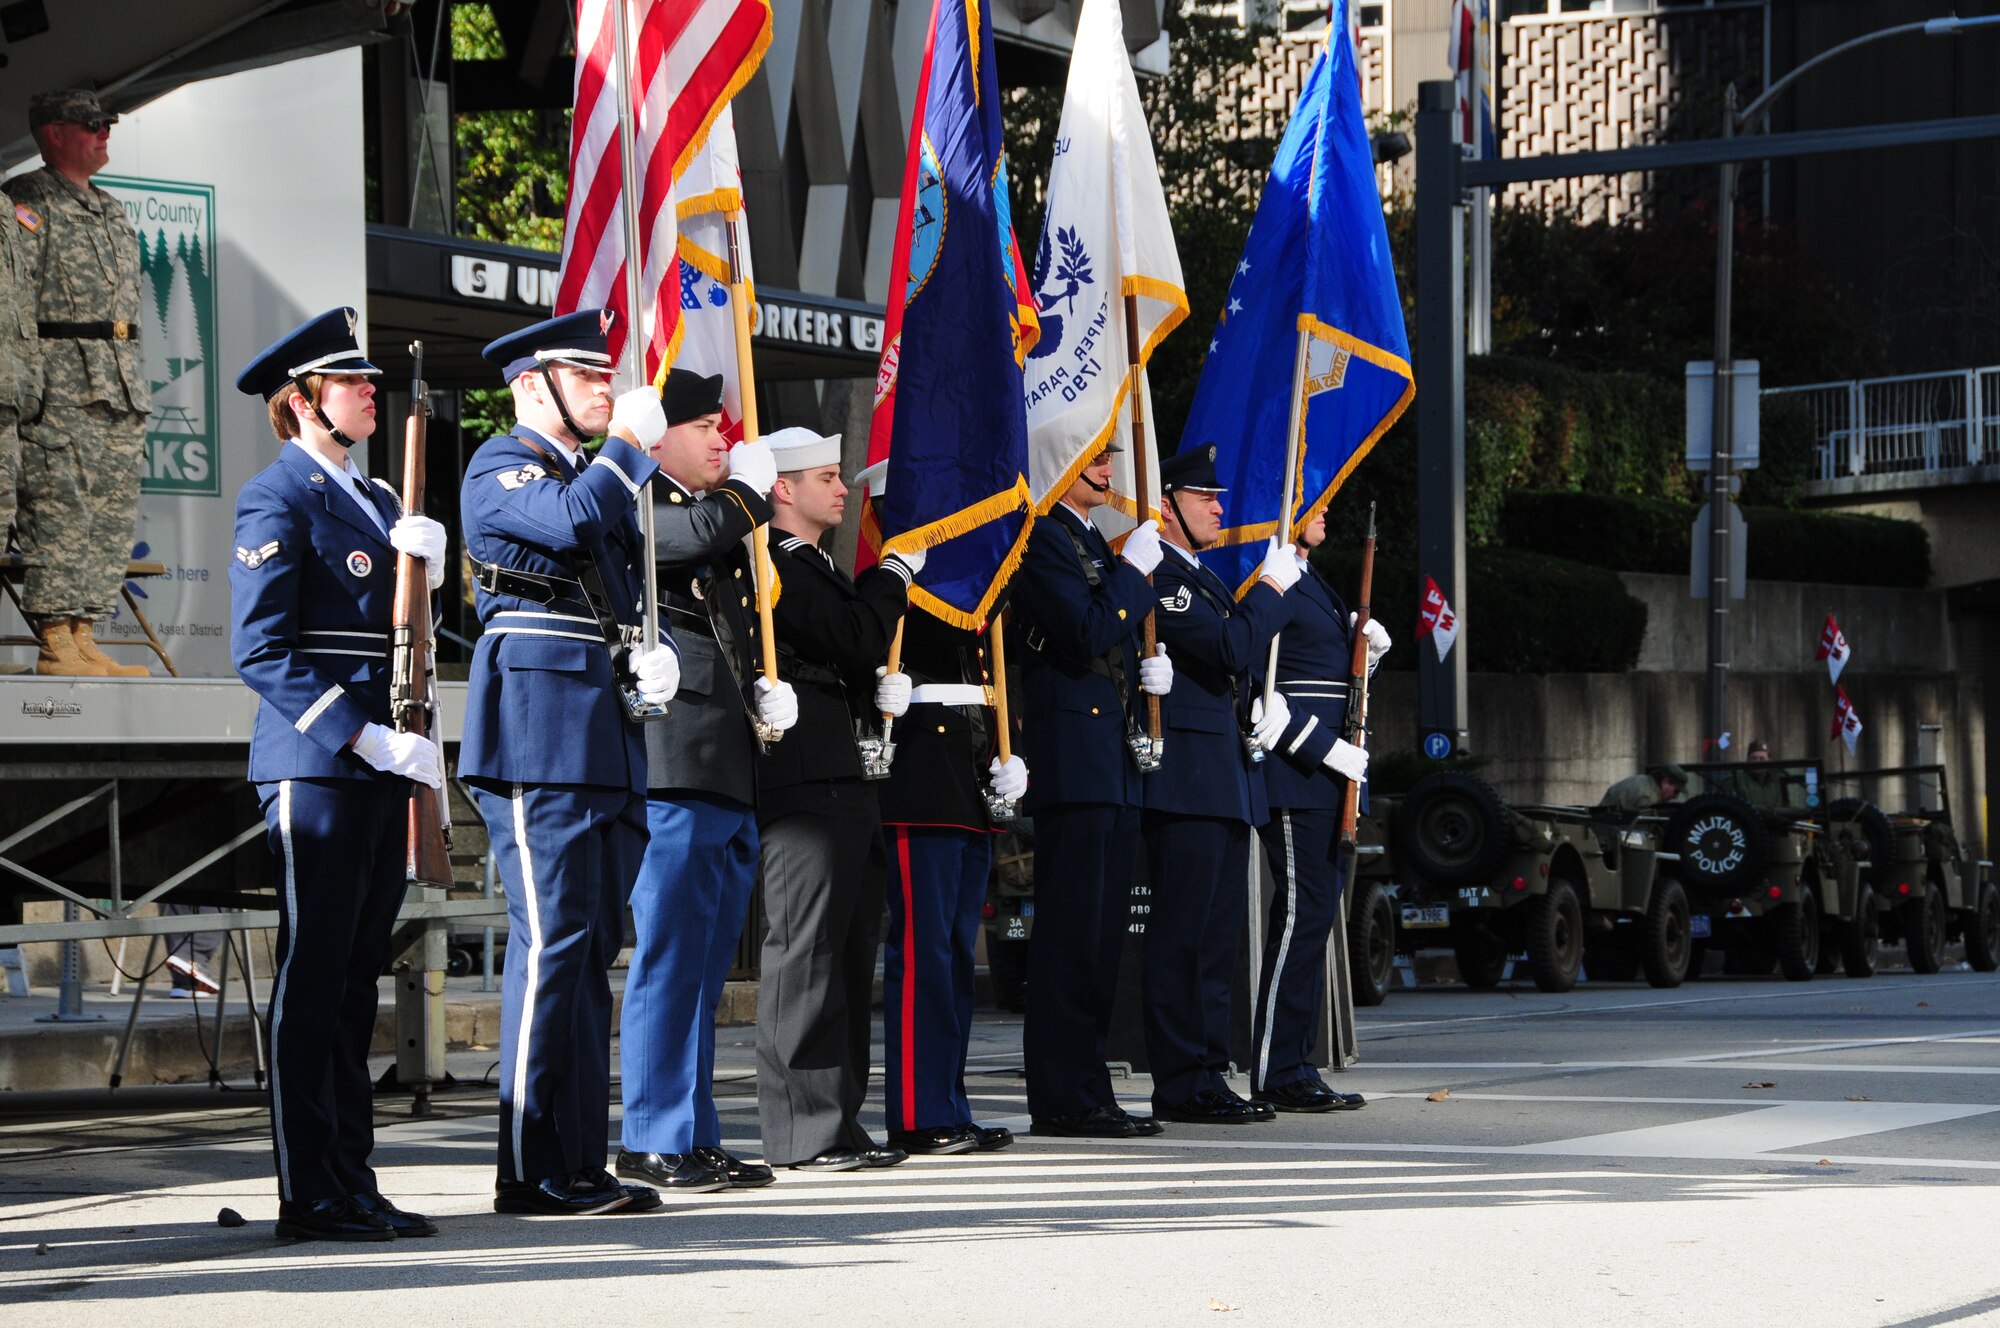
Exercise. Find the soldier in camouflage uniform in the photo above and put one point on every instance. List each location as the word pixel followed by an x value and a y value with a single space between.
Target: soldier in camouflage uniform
pixel 20 358
pixel 81 456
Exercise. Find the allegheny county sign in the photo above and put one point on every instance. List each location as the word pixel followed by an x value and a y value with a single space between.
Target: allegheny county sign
pixel 177 336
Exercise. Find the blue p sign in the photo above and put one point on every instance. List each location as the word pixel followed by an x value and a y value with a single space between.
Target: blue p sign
pixel 1437 746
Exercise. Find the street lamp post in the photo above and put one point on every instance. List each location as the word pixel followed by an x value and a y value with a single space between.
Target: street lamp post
pixel 1722 456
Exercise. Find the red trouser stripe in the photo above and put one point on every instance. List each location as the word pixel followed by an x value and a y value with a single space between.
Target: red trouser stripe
pixel 909 1020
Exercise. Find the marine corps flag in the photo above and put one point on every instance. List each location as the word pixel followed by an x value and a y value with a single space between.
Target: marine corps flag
pixel 1316 263
pixel 949 411
pixel 1105 236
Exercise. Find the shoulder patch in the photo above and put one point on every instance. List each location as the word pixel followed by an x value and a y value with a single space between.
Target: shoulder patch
pixel 528 474
pixel 27 216
pixel 1178 601
pixel 257 557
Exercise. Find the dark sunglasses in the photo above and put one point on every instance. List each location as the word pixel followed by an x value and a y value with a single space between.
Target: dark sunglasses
pixel 97 126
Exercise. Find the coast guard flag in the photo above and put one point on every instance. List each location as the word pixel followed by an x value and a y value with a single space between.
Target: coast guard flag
pixel 1832 648
pixel 1316 262
pixel 949 411
pixel 706 195
pixel 1105 236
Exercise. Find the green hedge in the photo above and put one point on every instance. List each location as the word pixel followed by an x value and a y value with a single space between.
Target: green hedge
pixel 1632 534
pixel 1525 612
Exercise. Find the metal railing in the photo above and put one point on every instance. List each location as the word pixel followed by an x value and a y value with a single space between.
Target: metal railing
pixel 1910 423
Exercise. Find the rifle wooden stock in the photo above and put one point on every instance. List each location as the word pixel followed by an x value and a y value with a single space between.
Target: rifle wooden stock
pixel 1355 728
pixel 428 858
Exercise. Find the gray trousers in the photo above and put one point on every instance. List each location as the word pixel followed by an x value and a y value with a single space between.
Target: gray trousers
pixel 824 888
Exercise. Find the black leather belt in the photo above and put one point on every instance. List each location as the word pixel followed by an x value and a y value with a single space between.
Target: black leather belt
pixel 531 586
pixel 116 329
pixel 687 620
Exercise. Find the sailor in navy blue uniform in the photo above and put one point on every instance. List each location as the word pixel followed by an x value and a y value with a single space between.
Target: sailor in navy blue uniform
pixel 1203 803
pixel 939 830
pixel 1305 781
pixel 312 591
pixel 1078 611
pixel 693 892
pixel 556 764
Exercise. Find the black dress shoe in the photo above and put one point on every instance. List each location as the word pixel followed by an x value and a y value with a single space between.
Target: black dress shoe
pixel 1348 1101
pixel 1097 1123
pixel 400 1222
pixel 558 1198
pixel 1302 1095
pixel 1209 1107
pixel 680 1173
pixel 833 1159
pixel 940 1142
pixel 877 1158
pixel 1143 1126
pixel 742 1175
pixel 641 1198
pixel 330 1219
pixel 988 1138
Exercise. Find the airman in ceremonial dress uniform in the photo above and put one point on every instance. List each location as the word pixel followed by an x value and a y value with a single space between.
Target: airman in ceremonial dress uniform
pixel 312 592
pixel 554 758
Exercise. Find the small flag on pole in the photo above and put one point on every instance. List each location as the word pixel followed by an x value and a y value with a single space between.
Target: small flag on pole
pixel 1436 618
pixel 1846 723
pixel 1833 649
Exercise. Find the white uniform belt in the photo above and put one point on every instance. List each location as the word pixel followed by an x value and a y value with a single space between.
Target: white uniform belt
pixel 951 694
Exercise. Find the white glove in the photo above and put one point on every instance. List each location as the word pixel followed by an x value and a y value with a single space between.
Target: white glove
pixel 1281 566
pixel 1348 760
pixel 1010 780
pixel 1268 725
pixel 1156 672
pixel 639 417
pixel 777 704
pixel 1142 547
pixel 912 559
pixel 421 537
pixel 404 754
pixel 892 693
pixel 755 466
pixel 659 674
pixel 1378 639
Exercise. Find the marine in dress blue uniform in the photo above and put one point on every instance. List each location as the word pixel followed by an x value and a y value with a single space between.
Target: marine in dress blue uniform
pixel 700 867
pixel 312 591
pixel 1306 792
pixel 1202 804
pixel 939 831
pixel 1078 612
pixel 556 766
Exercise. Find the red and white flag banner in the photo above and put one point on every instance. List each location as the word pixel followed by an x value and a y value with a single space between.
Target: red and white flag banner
pixel 1846 723
pixel 1436 619
pixel 1832 649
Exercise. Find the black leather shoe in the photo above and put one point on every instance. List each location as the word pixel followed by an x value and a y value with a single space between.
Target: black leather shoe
pixel 680 1173
pixel 641 1198
pixel 877 1158
pixel 1209 1107
pixel 742 1175
pixel 1143 1126
pixel 1348 1101
pixel 833 1159
pixel 989 1138
pixel 400 1222
pixel 331 1219
pixel 557 1198
pixel 1303 1095
pixel 940 1142
pixel 1097 1123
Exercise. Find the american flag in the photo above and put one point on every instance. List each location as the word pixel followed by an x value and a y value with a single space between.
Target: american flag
pixel 688 58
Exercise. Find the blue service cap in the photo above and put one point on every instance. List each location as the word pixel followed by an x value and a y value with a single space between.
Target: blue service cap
pixel 323 345
pixel 581 339
pixel 1194 469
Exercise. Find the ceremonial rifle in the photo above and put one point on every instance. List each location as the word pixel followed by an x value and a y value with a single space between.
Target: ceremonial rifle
pixel 428 858
pixel 1354 728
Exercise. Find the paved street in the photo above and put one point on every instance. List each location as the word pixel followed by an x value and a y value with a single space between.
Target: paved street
pixel 1732 1152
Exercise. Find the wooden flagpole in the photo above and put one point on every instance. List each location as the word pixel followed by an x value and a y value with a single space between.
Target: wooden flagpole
pixel 1294 437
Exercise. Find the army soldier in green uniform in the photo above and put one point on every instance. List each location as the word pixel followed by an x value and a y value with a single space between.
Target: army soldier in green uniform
pixel 1658 786
pixel 81 455
pixel 20 356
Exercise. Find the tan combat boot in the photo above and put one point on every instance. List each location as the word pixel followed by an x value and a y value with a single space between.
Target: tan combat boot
pixel 86 645
pixel 60 658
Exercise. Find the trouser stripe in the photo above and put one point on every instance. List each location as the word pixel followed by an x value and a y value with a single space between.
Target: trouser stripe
pixel 908 1014
pixel 1284 950
pixel 531 981
pixel 278 992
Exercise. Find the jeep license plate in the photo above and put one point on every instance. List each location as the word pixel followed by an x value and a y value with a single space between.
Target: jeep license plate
pixel 1700 927
pixel 1434 915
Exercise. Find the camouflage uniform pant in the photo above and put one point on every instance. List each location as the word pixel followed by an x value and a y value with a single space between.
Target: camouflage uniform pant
pixel 10 465
pixel 79 499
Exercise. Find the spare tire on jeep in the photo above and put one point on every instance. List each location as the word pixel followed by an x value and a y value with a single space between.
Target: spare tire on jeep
pixel 1871 824
pixel 1452 828
pixel 1721 843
